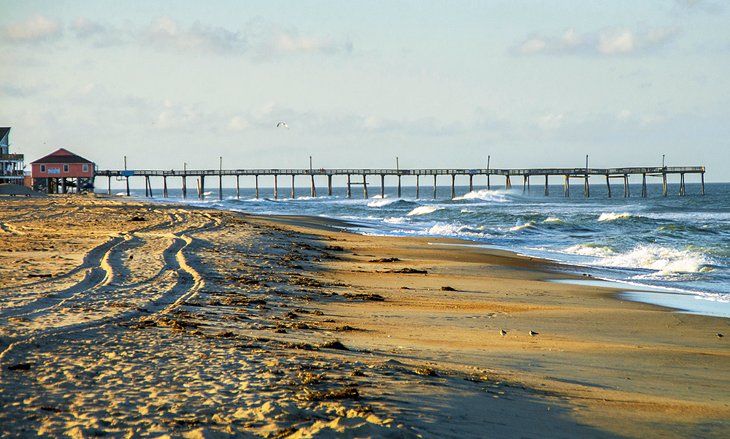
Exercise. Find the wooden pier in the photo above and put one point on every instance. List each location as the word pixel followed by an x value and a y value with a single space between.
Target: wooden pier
pixel 359 178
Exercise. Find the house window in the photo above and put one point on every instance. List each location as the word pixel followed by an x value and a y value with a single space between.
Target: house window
pixel 65 168
pixel 85 167
pixel 43 168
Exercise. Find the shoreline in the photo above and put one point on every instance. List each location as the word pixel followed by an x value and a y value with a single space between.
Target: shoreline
pixel 671 297
pixel 336 333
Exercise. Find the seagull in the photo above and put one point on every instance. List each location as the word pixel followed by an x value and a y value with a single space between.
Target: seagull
pixel 503 332
pixel 282 125
pixel 533 333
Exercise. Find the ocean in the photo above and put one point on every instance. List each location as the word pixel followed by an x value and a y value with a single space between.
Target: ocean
pixel 675 250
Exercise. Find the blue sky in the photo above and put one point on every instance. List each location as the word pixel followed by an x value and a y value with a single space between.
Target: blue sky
pixel 438 84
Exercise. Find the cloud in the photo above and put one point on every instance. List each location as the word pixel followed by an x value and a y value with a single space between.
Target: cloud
pixel 98 34
pixel 37 29
pixel 290 42
pixel 607 42
pixel 164 33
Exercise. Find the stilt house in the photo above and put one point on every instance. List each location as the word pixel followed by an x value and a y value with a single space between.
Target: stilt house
pixel 11 165
pixel 62 172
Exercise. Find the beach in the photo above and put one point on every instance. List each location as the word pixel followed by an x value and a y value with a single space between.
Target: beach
pixel 128 318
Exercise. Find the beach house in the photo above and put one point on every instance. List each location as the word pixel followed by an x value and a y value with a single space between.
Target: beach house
pixel 11 165
pixel 62 172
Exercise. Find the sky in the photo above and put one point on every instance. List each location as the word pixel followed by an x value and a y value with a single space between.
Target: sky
pixel 438 84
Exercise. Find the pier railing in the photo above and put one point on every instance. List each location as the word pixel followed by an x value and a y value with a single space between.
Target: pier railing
pixel 567 173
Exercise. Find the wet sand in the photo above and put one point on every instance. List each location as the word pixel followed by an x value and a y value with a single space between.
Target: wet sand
pixel 132 319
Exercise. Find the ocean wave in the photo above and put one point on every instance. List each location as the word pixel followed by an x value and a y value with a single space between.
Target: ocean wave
pixel 484 195
pixel 612 216
pixel 423 210
pixel 380 202
pixel 597 250
pixel 395 220
pixel 664 260
pixel 553 219
pixel 527 225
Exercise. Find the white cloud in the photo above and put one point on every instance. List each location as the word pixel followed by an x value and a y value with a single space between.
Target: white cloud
pixel 238 123
pixel 165 33
pixel 616 42
pixel 98 34
pixel 608 42
pixel 276 42
pixel 34 30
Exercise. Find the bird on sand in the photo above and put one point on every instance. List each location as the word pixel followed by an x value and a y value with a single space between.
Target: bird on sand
pixel 533 333
pixel 503 332
pixel 719 335
pixel 282 125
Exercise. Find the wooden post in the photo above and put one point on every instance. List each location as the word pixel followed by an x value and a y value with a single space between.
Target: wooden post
pixel 399 186
pixel 664 184
pixel 365 185
pixel 702 175
pixel 257 185
pixel 547 191
pixel 127 186
pixel 184 187
pixel 149 183
pixel 566 186
pixel 382 185
pixel 313 191
pixel 164 186
pixel 471 183
pixel 681 184
pixel 608 185
pixel 109 185
pixel 507 183
pixel 220 186
pixel 643 185
pixel 329 184
pixel 586 187
pixel 434 186
pixel 293 195
pixel 349 187
pixel 453 186
pixel 276 186
pixel 627 192
pixel 418 189
pixel 489 187
pixel 525 179
pixel 238 187
pixel 201 189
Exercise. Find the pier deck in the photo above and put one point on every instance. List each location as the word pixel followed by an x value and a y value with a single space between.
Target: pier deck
pixel 566 173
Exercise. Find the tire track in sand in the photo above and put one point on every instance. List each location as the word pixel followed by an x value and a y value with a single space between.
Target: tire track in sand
pixel 189 281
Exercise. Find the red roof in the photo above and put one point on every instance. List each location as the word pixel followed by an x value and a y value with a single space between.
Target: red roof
pixel 62 156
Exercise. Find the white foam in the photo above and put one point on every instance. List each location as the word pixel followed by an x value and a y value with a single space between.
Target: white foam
pixel 380 202
pixel 664 260
pixel 527 225
pixel 552 219
pixel 395 220
pixel 599 251
pixel 485 195
pixel 423 210
pixel 612 216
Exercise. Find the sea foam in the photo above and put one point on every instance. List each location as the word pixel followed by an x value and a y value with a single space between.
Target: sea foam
pixel 596 250
pixel 424 210
pixel 664 260
pixel 611 216
pixel 484 195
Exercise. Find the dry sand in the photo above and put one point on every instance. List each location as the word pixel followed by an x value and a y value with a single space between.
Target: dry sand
pixel 132 319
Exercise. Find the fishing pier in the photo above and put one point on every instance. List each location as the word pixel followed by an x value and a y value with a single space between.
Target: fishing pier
pixel 359 178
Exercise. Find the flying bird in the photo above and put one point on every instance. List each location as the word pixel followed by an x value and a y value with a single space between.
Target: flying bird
pixel 282 125
pixel 533 333
pixel 503 332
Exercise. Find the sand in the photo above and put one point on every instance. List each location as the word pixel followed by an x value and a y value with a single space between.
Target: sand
pixel 125 318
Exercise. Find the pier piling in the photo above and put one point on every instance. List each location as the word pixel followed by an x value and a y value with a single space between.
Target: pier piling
pixel 293 194
pixel 164 187
pixel 547 191
pixel 276 186
pixel 329 184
